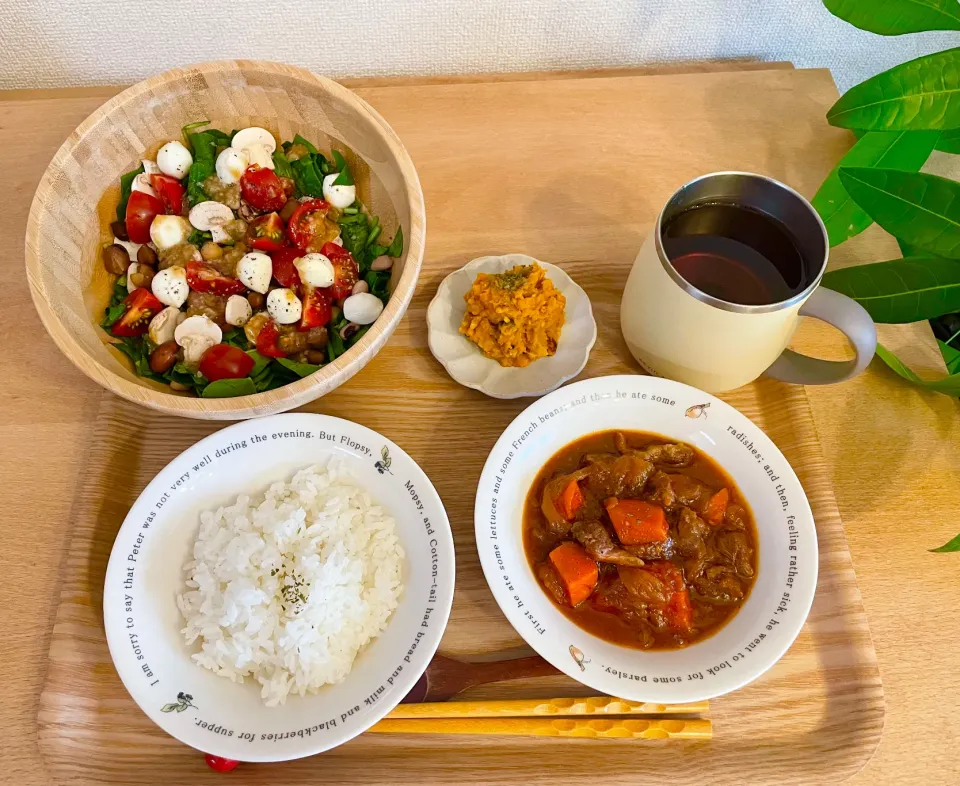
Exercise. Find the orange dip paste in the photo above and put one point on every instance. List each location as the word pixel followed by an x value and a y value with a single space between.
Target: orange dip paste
pixel 514 317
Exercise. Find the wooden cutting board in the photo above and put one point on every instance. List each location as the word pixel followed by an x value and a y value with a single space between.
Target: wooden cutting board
pixel 571 171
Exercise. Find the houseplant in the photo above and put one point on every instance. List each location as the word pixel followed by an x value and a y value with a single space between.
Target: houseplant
pixel 900 116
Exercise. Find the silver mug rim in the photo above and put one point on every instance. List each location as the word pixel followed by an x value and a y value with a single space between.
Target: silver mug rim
pixel 726 305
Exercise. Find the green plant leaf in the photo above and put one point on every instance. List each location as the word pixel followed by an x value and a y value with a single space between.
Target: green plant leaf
pixel 949 141
pixel 919 209
pixel 901 290
pixel 918 95
pixel 952 545
pixel 906 150
pixel 896 17
pixel 949 385
pixel 951 357
pixel 228 388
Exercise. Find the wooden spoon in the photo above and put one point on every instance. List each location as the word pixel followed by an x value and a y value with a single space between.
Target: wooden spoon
pixel 446 677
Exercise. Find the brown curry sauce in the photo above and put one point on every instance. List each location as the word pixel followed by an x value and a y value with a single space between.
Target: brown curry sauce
pixel 636 626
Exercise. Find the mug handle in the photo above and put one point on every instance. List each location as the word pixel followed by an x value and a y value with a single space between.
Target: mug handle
pixel 847 316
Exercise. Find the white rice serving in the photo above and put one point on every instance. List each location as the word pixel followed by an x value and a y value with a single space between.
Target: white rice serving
pixel 287 587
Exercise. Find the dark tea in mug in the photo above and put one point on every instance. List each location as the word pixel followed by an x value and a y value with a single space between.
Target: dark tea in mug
pixel 735 253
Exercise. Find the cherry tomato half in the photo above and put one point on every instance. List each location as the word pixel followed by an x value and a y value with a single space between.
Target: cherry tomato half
pixel 262 188
pixel 219 764
pixel 284 271
pixel 205 278
pixel 346 271
pixel 170 190
pixel 317 307
pixel 267 341
pixel 142 306
pixel 223 361
pixel 309 227
pixel 265 233
pixel 141 210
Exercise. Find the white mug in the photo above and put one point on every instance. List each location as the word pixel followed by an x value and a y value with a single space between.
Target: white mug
pixel 677 331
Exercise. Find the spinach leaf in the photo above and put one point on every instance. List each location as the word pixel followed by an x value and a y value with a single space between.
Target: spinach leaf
pixel 220 138
pixel 260 363
pixel 116 307
pixel 325 167
pixel 300 369
pixel 299 140
pixel 190 127
pixel 307 177
pixel 236 337
pixel 198 238
pixel 357 336
pixel 281 166
pixel 345 178
pixel 379 283
pixel 112 314
pixel 229 388
pixel 204 146
pixel 335 347
pixel 126 186
pixel 395 249
pixel 354 231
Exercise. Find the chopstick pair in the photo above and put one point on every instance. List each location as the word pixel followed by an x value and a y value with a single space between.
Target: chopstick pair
pixel 546 717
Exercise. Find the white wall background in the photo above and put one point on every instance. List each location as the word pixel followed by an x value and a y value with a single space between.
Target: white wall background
pixel 54 43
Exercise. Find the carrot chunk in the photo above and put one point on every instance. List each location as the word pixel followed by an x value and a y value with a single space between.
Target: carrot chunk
pixel 570 500
pixel 680 610
pixel 717 507
pixel 578 572
pixel 636 522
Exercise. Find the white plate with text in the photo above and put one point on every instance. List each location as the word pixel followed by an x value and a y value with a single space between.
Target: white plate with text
pixel 145 574
pixel 753 640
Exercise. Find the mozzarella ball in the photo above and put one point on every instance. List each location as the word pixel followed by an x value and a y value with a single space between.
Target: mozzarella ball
pixel 315 269
pixel 254 271
pixel 174 159
pixel 254 135
pixel 284 306
pixel 231 164
pixel 170 286
pixel 163 325
pixel 142 183
pixel 338 196
pixel 169 231
pixel 238 311
pixel 363 308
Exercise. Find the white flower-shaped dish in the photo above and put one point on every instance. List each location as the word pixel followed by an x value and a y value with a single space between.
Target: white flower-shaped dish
pixel 464 361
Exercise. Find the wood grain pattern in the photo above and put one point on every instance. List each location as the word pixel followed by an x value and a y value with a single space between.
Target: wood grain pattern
pixel 889 448
pixel 65 234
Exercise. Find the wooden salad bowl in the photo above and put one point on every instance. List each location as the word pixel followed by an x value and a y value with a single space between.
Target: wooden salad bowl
pixel 68 221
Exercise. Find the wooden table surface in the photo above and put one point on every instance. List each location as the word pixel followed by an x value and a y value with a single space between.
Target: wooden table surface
pixel 893 450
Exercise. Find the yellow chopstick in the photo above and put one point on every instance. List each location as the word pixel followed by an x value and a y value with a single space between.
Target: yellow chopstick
pixel 607 728
pixel 520 708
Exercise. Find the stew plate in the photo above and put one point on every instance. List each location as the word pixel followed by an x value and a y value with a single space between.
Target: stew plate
pixel 777 606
